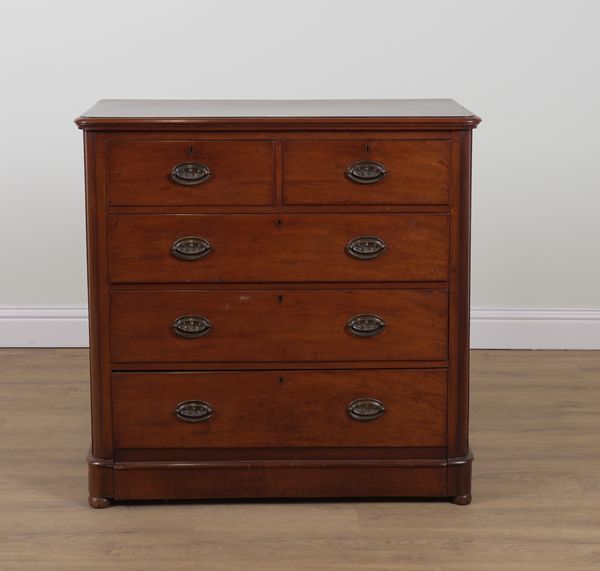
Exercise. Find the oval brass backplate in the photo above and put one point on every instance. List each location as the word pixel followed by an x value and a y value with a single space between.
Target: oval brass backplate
pixel 190 174
pixel 194 411
pixel 191 326
pixel 365 325
pixel 366 172
pixel 365 247
pixel 191 248
pixel 365 409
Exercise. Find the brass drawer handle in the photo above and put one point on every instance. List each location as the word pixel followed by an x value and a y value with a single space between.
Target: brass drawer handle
pixel 190 174
pixel 193 411
pixel 365 409
pixel 191 248
pixel 365 247
pixel 366 172
pixel 366 325
pixel 191 326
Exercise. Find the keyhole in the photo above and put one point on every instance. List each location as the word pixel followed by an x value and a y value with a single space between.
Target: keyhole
pixel 280 298
pixel 280 379
pixel 190 151
pixel 279 222
pixel 368 148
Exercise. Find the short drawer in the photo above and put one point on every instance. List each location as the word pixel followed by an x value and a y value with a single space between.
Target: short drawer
pixel 366 172
pixel 280 409
pixel 278 325
pixel 190 173
pixel 278 248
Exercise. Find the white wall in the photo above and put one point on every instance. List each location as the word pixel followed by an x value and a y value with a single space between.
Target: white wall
pixel 530 69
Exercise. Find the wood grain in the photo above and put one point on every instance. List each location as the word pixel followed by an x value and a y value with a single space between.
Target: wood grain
pixel 280 409
pixel 279 308
pixel 239 115
pixel 290 480
pixel 314 172
pixel 273 108
pixel 138 172
pixel 535 418
pixel 278 248
pixel 283 325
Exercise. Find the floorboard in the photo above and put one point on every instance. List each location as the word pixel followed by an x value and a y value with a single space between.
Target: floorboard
pixel 535 425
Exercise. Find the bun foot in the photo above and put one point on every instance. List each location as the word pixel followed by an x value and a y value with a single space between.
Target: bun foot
pixel 98 503
pixel 461 500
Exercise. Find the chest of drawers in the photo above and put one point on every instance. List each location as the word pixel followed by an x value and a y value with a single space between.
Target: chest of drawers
pixel 278 298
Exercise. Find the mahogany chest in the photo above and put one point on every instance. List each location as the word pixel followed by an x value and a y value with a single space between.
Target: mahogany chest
pixel 278 299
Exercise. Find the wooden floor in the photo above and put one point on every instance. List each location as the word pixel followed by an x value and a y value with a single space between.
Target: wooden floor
pixel 535 433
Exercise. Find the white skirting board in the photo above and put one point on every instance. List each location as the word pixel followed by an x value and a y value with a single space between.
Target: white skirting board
pixel 535 328
pixel 37 326
pixel 491 328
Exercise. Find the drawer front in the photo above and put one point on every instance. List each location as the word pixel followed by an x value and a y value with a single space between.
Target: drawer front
pixel 366 172
pixel 279 248
pixel 190 173
pixel 278 326
pixel 280 409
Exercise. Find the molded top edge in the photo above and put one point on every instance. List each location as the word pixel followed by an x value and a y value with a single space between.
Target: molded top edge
pixel 183 111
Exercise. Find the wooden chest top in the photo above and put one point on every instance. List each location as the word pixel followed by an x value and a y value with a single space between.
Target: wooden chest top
pixel 185 113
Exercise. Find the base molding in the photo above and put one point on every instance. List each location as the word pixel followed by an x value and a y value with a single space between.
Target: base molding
pixel 285 479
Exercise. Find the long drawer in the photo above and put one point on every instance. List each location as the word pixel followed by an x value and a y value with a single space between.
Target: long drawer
pixel 280 409
pixel 278 248
pixel 190 173
pixel 366 172
pixel 279 325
